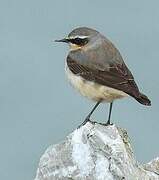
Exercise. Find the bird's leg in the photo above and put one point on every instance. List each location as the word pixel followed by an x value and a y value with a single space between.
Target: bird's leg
pixel 110 111
pixel 89 115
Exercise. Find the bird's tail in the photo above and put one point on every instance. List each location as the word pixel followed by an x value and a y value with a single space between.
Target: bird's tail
pixel 143 99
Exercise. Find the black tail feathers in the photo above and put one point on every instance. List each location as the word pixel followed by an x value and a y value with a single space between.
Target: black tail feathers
pixel 143 99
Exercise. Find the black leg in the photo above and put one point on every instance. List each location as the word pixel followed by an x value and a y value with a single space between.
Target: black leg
pixel 110 111
pixel 89 115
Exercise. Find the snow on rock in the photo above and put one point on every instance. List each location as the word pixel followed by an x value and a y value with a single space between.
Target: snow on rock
pixel 95 152
pixel 81 152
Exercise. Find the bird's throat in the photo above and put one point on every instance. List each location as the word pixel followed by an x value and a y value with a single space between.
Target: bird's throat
pixel 74 47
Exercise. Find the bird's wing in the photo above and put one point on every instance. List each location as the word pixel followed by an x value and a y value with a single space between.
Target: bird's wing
pixel 116 75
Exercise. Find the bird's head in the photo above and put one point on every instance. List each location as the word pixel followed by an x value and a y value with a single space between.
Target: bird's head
pixel 79 37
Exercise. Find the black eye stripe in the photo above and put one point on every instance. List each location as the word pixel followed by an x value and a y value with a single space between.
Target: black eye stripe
pixel 79 41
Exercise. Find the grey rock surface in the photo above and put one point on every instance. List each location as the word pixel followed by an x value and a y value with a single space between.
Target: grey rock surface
pixel 95 152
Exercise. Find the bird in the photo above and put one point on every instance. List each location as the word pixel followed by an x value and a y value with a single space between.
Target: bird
pixel 95 67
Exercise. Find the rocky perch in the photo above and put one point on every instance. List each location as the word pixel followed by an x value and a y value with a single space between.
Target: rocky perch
pixel 95 152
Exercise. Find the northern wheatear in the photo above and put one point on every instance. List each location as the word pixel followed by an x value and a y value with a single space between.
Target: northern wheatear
pixel 96 69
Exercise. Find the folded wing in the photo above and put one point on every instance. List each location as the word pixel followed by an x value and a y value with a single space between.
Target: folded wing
pixel 116 76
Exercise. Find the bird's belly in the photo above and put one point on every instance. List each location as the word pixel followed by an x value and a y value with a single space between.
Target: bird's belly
pixel 93 90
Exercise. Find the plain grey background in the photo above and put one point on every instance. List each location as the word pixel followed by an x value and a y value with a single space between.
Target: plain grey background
pixel 37 105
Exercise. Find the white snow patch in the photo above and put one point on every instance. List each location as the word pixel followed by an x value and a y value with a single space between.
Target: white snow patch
pixel 81 154
pixel 102 169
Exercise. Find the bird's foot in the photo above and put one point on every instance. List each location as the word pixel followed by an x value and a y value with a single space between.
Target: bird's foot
pixel 108 123
pixel 84 122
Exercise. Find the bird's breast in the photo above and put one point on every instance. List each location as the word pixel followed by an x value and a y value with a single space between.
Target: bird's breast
pixel 92 90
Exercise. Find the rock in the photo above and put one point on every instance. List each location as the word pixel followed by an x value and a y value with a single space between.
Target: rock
pixel 153 166
pixel 95 152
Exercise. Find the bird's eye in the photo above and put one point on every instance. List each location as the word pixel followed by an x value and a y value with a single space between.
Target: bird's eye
pixel 79 41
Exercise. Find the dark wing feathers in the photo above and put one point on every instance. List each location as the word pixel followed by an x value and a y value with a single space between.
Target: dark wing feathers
pixel 118 76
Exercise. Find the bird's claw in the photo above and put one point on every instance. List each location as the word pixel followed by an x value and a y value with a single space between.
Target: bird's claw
pixel 84 122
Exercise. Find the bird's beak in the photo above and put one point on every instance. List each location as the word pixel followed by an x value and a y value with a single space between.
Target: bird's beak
pixel 66 40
